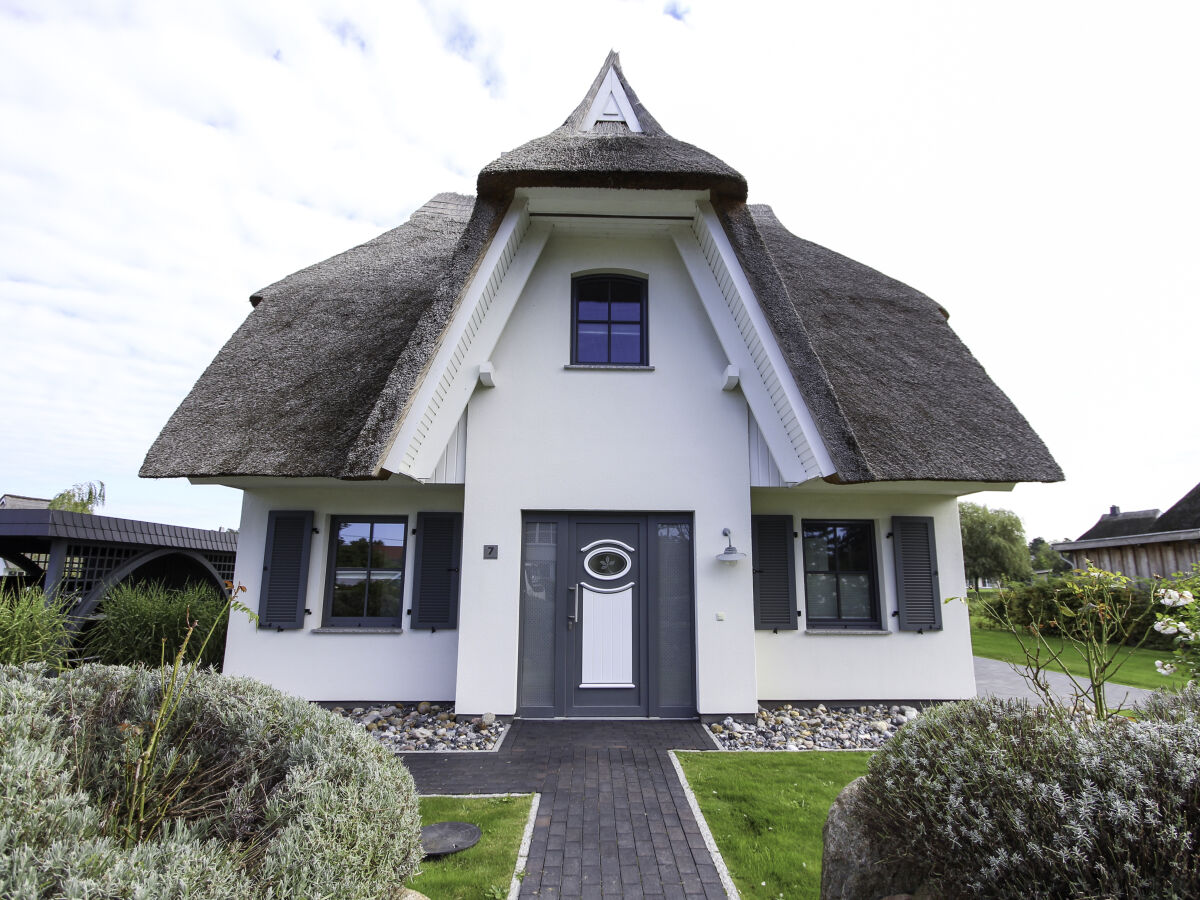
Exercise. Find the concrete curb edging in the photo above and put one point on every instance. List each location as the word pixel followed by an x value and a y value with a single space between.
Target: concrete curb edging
pixel 514 887
pixel 709 841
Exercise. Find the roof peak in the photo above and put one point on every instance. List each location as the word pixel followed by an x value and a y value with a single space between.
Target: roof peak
pixel 610 140
pixel 610 99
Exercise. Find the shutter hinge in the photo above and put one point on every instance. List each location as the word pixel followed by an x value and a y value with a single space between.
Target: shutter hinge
pixel 889 534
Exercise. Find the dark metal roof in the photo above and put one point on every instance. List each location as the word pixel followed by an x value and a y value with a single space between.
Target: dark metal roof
pixel 612 156
pixel 57 523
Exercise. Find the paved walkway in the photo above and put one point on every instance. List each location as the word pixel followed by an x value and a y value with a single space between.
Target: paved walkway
pixel 613 819
pixel 999 679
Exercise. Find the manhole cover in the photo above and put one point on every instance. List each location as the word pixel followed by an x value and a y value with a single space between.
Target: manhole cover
pixel 443 838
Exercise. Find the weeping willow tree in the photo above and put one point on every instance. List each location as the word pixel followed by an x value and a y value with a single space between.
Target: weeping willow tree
pixel 993 544
pixel 81 498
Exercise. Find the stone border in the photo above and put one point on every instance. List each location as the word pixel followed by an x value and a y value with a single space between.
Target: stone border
pixel 710 842
pixel 514 885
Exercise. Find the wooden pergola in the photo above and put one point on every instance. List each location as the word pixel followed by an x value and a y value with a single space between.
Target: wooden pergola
pixel 84 555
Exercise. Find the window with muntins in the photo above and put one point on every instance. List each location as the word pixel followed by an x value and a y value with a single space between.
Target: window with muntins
pixel 608 321
pixel 366 571
pixel 840 583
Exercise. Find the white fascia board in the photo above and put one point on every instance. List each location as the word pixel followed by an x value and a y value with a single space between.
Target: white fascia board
pixel 611 202
pixel 707 218
pixel 468 342
pixel 755 390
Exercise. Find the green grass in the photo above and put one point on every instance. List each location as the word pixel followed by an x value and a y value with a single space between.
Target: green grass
pixel 766 812
pixel 486 869
pixel 1139 671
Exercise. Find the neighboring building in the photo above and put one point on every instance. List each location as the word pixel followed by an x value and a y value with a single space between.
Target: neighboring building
pixel 16 501
pixel 1142 544
pixel 502 454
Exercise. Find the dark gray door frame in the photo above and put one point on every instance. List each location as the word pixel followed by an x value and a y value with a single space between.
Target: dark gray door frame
pixel 647 625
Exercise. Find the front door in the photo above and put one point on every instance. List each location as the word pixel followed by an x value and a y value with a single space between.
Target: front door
pixel 607 616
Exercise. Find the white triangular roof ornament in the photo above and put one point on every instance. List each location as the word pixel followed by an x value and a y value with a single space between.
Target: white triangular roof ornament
pixel 610 105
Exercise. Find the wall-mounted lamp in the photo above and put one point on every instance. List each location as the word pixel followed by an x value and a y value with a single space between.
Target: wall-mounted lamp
pixel 729 554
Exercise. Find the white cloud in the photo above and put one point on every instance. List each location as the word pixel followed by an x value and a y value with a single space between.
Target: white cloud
pixel 1031 167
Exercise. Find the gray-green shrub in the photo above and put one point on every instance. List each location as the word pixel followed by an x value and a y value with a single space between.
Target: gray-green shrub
pixel 34 628
pixel 282 799
pixel 999 799
pixel 146 622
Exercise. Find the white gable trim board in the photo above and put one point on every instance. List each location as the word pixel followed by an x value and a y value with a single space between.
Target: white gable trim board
pixel 611 105
pixel 432 416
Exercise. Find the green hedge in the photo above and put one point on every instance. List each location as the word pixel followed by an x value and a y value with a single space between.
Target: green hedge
pixel 268 797
pixel 998 799
pixel 146 622
pixel 1027 603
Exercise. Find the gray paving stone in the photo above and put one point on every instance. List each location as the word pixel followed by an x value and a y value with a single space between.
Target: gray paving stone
pixel 613 820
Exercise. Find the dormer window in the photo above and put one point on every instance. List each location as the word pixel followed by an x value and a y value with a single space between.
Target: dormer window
pixel 608 321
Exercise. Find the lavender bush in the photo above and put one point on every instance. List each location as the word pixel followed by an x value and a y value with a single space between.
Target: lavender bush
pixel 999 799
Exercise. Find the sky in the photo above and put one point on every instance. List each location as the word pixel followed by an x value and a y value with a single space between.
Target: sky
pixel 1032 166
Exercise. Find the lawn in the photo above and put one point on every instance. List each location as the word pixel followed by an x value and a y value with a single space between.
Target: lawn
pixel 486 869
pixel 771 838
pixel 1139 671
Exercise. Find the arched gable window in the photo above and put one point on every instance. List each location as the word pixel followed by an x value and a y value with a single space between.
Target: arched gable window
pixel 608 321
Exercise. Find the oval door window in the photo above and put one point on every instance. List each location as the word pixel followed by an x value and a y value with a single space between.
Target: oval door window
pixel 607 562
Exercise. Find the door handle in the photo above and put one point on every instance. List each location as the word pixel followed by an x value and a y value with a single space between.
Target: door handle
pixel 573 617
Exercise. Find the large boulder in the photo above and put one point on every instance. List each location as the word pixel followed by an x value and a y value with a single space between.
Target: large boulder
pixel 852 866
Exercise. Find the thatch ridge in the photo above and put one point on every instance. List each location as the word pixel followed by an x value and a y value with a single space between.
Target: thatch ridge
pixel 313 381
pixel 895 393
pixel 610 157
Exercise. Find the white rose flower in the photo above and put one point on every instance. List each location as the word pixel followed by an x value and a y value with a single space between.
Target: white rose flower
pixel 1165 626
pixel 1164 668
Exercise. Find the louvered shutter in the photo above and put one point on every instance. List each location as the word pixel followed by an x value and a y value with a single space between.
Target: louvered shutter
pixel 285 569
pixel 774 562
pixel 435 582
pixel 916 573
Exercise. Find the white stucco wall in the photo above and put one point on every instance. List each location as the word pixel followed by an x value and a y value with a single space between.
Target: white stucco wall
pixel 413 665
pixel 899 665
pixel 546 438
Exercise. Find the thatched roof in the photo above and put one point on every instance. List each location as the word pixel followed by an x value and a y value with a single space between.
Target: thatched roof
pixel 315 379
pixel 895 394
pixel 611 156
pixel 1122 524
pixel 1184 515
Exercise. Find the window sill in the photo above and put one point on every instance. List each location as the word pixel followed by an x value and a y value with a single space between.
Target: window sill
pixel 591 367
pixel 356 629
pixel 877 632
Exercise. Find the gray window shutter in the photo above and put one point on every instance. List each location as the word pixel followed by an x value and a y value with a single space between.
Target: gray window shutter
pixel 285 569
pixel 774 562
pixel 919 599
pixel 435 581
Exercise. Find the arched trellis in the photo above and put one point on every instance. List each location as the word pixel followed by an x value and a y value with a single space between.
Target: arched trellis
pixel 88 603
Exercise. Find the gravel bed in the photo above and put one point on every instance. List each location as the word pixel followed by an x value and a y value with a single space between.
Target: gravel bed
pixel 426 726
pixel 819 728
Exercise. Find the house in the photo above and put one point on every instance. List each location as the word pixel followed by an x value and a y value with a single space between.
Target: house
pixel 600 440
pixel 1141 544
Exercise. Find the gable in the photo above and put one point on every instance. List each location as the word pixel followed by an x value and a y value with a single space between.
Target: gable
pixel 489 300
